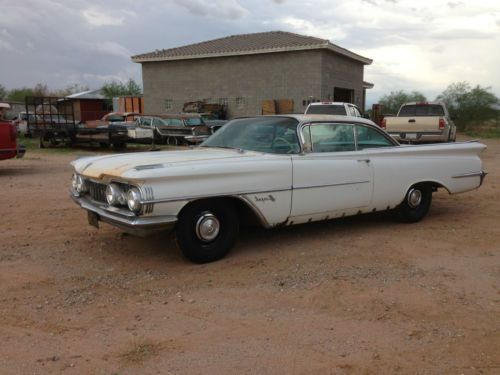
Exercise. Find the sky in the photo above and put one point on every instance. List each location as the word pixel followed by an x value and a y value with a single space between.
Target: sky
pixel 420 45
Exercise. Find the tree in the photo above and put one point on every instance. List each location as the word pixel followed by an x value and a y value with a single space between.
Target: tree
pixel 395 99
pixel 3 92
pixel 116 88
pixel 18 95
pixel 469 106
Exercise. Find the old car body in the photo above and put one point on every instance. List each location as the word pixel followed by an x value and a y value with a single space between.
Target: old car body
pixel 22 120
pixel 182 128
pixel 113 117
pixel 9 148
pixel 276 170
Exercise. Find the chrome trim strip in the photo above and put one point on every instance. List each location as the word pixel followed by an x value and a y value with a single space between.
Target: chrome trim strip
pixel 329 185
pixel 470 174
pixel 190 198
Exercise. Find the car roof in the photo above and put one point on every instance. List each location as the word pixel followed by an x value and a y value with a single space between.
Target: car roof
pixel 327 118
pixel 423 103
pixel 175 116
pixel 330 103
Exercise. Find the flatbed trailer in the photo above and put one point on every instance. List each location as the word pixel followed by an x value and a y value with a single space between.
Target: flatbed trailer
pixel 55 124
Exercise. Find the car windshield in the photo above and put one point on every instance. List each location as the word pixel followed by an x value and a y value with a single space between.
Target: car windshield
pixel 326 109
pixel 422 110
pixel 116 118
pixel 275 135
pixel 194 121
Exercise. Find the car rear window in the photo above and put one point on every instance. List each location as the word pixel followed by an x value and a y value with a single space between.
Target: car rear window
pixel 326 109
pixel 422 110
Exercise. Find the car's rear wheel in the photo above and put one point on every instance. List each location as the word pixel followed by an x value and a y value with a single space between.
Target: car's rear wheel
pixel 415 205
pixel 207 230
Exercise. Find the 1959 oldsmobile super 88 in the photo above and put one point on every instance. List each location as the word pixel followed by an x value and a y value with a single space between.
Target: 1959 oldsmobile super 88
pixel 273 170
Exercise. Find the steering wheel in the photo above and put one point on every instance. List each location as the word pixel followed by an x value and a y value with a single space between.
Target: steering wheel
pixel 281 139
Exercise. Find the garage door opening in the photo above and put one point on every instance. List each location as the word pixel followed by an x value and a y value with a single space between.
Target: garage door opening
pixel 343 95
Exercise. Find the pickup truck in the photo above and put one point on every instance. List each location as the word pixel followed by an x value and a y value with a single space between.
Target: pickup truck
pixel 421 122
pixel 333 108
pixel 8 141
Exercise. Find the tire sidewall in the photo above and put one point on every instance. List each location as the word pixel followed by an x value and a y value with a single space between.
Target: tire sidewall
pixel 406 213
pixel 191 246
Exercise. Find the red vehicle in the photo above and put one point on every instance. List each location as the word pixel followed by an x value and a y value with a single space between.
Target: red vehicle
pixel 8 141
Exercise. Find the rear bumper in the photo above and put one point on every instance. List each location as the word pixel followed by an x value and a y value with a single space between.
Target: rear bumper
pixel 126 220
pixel 419 137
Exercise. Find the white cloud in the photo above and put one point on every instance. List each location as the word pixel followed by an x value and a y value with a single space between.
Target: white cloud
pixel 307 27
pixel 215 9
pixel 98 17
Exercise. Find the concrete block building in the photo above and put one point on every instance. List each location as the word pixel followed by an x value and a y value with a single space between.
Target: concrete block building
pixel 243 71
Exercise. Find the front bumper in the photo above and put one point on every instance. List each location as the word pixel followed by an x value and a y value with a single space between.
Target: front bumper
pixel 125 220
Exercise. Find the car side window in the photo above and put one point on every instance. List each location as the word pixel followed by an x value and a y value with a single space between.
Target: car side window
pixel 367 137
pixel 332 138
pixel 174 122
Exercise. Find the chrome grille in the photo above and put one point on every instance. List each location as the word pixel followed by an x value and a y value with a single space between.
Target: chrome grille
pixel 97 191
pixel 147 193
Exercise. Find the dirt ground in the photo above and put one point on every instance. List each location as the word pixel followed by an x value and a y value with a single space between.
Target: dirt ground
pixel 363 295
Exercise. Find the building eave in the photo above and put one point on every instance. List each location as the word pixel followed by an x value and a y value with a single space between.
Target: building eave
pixel 328 46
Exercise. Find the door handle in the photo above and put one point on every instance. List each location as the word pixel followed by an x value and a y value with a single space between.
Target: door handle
pixel 365 160
pixel 411 120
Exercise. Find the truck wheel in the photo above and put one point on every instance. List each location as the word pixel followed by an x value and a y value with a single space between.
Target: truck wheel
pixel 415 205
pixel 207 230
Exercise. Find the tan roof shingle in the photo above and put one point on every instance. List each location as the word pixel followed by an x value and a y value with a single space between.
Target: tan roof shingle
pixel 247 44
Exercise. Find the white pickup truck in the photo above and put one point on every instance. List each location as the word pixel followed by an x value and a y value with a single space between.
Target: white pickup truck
pixel 421 122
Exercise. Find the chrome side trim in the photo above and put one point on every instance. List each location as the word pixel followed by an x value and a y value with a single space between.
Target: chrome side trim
pixel 329 185
pixel 471 174
pixel 193 197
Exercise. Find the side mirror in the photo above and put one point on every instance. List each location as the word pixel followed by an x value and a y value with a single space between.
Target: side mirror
pixel 366 115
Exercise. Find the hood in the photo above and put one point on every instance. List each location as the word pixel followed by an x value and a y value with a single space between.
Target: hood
pixel 121 165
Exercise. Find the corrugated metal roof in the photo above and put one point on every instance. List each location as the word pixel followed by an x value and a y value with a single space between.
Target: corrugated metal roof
pixel 91 94
pixel 247 44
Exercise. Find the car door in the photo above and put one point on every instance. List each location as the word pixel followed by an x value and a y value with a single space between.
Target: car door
pixel 331 175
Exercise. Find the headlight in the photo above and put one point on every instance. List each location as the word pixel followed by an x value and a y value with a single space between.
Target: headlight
pixel 115 195
pixel 78 183
pixel 134 199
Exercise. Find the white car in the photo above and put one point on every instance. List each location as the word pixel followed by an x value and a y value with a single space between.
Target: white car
pixel 272 170
pixel 333 108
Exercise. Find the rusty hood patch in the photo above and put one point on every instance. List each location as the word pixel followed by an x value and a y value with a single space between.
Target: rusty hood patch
pixel 118 165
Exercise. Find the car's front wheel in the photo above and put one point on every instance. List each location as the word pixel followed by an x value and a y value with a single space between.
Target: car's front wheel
pixel 207 230
pixel 415 205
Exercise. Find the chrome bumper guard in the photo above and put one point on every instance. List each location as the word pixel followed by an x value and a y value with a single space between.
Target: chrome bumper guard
pixel 123 219
pixel 195 138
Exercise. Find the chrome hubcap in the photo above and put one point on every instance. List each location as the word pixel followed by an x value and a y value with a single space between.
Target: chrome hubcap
pixel 414 198
pixel 207 227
